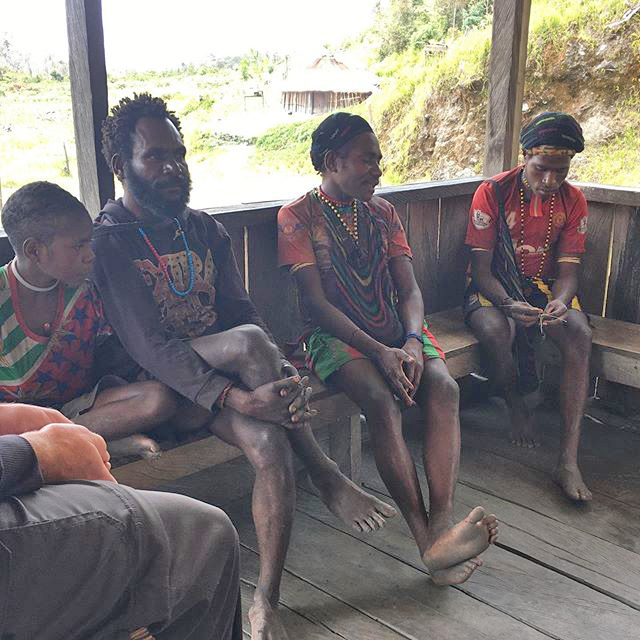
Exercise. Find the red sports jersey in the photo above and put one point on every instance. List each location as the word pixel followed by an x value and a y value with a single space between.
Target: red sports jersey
pixel 568 223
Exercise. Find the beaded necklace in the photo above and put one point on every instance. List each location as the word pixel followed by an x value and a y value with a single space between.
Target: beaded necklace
pixel 351 230
pixel 163 266
pixel 547 236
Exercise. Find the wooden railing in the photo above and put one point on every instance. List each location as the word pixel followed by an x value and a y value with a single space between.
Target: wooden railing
pixel 435 217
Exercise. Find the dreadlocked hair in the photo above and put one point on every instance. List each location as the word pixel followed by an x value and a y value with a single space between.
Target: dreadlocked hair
pixel 118 127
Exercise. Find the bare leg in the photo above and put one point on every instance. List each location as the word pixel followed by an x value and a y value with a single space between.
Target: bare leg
pixel 267 448
pixel 574 342
pixel 247 353
pixel 447 544
pixel 363 383
pixel 496 333
pixel 120 413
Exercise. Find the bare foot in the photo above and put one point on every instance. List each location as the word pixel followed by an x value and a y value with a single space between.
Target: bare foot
pixel 134 445
pixel 569 478
pixel 461 542
pixel 265 621
pixel 355 507
pixel 523 436
pixel 457 574
pixel 522 432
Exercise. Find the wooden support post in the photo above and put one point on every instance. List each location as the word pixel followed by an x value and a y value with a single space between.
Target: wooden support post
pixel 506 84
pixel 88 76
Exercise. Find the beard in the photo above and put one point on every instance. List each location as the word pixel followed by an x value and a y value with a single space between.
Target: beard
pixel 149 195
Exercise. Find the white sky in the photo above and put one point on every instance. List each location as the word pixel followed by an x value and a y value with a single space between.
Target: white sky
pixel 146 34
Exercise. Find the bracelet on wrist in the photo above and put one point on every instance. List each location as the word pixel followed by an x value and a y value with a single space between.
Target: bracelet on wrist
pixel 417 336
pixel 223 396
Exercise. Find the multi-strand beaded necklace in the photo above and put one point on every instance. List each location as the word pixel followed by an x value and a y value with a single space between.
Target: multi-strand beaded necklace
pixel 352 230
pixel 163 266
pixel 547 238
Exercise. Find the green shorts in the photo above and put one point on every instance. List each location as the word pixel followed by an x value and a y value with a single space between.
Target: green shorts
pixel 326 353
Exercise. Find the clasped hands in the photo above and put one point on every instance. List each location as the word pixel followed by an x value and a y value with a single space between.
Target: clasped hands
pixel 284 402
pixel 402 368
pixel 527 315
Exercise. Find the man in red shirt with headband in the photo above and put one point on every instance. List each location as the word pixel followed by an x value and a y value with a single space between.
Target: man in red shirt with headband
pixel 527 230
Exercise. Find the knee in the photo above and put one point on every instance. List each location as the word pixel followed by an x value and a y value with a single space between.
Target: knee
pixel 443 388
pixel 269 447
pixel 158 402
pixel 578 342
pixel 379 404
pixel 254 343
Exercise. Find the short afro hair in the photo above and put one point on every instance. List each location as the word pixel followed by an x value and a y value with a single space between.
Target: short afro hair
pixel 38 210
pixel 117 128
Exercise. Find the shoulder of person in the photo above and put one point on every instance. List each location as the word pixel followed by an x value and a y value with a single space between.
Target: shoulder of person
pixel 215 230
pixel 4 280
pixel 300 209
pixel 381 207
pixel 572 192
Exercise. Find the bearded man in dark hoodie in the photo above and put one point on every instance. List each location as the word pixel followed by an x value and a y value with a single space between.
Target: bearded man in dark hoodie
pixel 173 293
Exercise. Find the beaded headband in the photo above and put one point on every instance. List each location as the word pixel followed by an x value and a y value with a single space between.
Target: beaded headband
pixel 550 150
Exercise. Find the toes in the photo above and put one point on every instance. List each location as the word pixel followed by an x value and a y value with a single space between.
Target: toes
pixel 476 515
pixel 386 510
pixel 379 520
pixel 373 523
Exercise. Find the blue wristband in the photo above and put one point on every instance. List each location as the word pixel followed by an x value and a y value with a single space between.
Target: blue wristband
pixel 417 336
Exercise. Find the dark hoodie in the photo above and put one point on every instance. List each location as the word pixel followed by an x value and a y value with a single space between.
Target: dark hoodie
pixel 152 322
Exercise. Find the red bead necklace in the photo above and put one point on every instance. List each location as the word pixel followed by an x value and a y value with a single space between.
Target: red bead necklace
pixel 547 236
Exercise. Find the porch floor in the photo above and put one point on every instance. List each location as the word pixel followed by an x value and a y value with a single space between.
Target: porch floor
pixel 559 570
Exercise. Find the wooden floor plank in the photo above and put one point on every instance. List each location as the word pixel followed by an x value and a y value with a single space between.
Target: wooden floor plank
pixel 383 587
pixel 595 562
pixel 523 590
pixel 608 456
pixel 318 607
pixel 297 626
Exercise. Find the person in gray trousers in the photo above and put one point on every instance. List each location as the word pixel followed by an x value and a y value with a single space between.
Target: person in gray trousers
pixel 82 557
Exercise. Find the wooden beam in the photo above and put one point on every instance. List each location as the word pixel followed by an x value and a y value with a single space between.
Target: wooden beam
pixel 88 75
pixel 506 84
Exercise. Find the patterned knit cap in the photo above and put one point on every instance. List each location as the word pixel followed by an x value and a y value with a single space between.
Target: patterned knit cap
pixel 333 133
pixel 552 134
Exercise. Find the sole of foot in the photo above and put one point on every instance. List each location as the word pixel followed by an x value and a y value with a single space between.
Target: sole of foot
pixel 569 479
pixel 463 541
pixel 355 507
pixel 457 574
pixel 134 445
pixel 265 622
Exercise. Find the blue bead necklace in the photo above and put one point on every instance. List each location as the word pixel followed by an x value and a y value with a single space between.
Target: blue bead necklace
pixel 163 266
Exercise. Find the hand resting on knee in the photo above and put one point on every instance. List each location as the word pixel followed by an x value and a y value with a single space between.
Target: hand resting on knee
pixel 68 452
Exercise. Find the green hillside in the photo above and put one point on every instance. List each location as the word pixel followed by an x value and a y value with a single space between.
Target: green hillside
pixel 430 110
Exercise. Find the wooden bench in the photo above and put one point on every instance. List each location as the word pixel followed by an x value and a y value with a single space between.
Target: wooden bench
pixel 615 354
pixel 337 415
pixel 615 357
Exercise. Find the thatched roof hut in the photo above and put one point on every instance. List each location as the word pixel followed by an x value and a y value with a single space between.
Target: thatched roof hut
pixel 326 85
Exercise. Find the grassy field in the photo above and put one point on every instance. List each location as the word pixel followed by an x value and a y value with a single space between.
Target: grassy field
pixel 37 137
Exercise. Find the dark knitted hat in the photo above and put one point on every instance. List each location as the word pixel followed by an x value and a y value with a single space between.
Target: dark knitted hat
pixel 333 133
pixel 552 133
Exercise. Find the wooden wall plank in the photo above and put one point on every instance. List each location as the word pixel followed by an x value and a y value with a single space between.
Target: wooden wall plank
pixel 624 288
pixel 453 254
pixel 271 289
pixel 593 275
pixel 422 231
pixel 88 77
pixel 506 83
